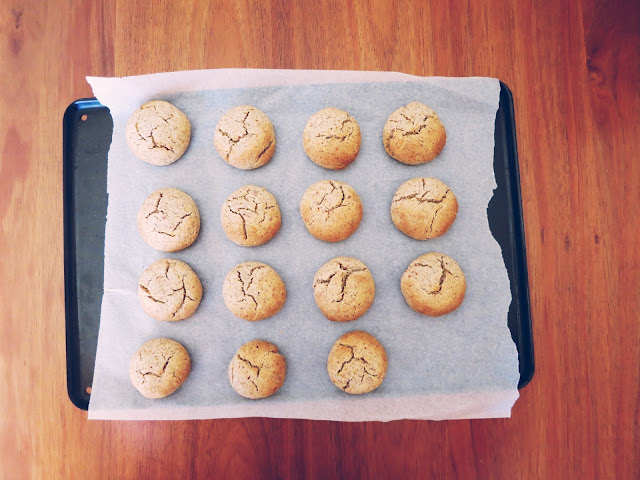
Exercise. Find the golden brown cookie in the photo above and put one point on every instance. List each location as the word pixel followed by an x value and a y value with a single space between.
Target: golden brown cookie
pixel 169 220
pixel 245 138
pixel 424 208
pixel 414 134
pixel 158 133
pixel 357 363
pixel 433 284
pixel 250 216
pixel 169 290
pixel 331 138
pixel 344 289
pixel 331 210
pixel 253 291
pixel 257 370
pixel 159 367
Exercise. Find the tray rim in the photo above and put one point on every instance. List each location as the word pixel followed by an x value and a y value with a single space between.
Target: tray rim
pixel 520 264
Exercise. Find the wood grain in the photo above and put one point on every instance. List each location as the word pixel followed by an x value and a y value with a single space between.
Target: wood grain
pixel 574 69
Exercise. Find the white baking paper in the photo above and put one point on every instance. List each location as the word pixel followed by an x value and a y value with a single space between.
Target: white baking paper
pixel 461 365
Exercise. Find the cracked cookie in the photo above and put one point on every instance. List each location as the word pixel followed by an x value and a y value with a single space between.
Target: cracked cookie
pixel 423 208
pixel 357 363
pixel 159 367
pixel 344 289
pixel 331 138
pixel 331 210
pixel 169 290
pixel 169 220
pixel 250 216
pixel 158 133
pixel 257 370
pixel 245 138
pixel 253 291
pixel 433 284
pixel 414 134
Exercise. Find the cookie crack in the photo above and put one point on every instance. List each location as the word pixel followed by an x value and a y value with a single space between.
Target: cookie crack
pixel 233 141
pixel 242 359
pixel 342 138
pixel 155 144
pixel 324 280
pixel 182 289
pixel 258 209
pixel 168 215
pixel 244 222
pixel 340 203
pixel 153 374
pixel 345 277
pixel 150 295
pixel 351 359
pixel 262 153
pixel 433 219
pixel 164 233
pixel 257 267
pixel 333 188
pixel 417 127
pixel 244 196
pixel 421 197
pixel 156 210
pixel 346 361
pixel 180 221
pixel 345 121
pixel 335 137
pixel 245 293
pixel 443 276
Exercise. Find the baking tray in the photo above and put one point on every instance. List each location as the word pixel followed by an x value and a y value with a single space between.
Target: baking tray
pixel 87 130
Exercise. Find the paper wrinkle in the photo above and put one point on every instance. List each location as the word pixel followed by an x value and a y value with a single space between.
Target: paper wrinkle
pixel 461 365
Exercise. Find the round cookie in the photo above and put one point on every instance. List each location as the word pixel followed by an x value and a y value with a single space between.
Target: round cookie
pixel 257 370
pixel 331 138
pixel 250 216
pixel 158 133
pixel 344 289
pixel 331 210
pixel 169 220
pixel 159 367
pixel 169 290
pixel 357 363
pixel 423 208
pixel 414 134
pixel 433 284
pixel 245 138
pixel 253 291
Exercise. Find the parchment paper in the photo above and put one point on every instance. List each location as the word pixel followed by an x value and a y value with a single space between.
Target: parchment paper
pixel 461 365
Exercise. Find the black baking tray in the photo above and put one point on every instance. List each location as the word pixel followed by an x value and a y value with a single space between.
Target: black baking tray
pixel 87 130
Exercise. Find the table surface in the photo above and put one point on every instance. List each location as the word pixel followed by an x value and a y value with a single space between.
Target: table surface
pixel 574 69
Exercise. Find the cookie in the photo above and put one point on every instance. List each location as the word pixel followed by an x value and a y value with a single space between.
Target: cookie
pixel 250 216
pixel 344 289
pixel 158 133
pixel 414 134
pixel 159 367
pixel 169 290
pixel 433 284
pixel 423 208
pixel 331 138
pixel 331 210
pixel 169 220
pixel 257 370
pixel 357 363
pixel 245 138
pixel 253 291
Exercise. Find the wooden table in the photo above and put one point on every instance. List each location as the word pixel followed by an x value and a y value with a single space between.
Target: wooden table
pixel 574 69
